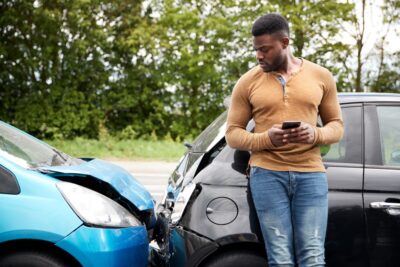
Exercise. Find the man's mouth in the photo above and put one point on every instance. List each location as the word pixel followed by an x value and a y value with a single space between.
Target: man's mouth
pixel 265 66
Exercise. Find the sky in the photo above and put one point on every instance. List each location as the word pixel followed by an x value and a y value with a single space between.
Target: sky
pixel 375 27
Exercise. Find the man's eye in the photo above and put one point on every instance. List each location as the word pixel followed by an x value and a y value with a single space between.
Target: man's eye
pixel 262 49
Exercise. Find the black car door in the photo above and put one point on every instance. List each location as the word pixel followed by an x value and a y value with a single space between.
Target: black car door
pixel 382 183
pixel 346 239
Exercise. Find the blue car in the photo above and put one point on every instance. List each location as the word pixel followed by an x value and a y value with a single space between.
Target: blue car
pixel 57 210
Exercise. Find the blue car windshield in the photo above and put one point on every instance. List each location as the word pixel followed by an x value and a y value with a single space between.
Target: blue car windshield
pixel 29 152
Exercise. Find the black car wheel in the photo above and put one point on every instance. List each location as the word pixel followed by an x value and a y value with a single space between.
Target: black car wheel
pixel 30 259
pixel 236 258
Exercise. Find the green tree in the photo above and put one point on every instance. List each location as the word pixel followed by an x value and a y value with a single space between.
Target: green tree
pixel 386 80
pixel 205 47
pixel 316 32
pixel 383 78
pixel 370 64
pixel 154 68
pixel 53 66
pixel 135 98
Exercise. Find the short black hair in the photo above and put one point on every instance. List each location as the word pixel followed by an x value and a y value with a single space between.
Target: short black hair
pixel 270 23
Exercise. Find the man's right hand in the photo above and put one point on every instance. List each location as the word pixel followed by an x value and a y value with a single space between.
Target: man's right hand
pixel 276 133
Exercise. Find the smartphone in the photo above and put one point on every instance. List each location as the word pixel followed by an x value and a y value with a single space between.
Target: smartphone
pixel 290 124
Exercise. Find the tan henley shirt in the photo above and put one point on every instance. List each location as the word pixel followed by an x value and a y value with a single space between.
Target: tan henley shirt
pixel 309 92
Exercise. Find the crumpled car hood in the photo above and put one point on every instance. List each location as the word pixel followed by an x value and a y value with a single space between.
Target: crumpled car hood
pixel 117 177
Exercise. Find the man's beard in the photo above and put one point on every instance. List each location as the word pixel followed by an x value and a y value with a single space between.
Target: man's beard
pixel 276 64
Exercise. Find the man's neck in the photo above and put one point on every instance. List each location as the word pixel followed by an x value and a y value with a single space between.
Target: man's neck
pixel 291 66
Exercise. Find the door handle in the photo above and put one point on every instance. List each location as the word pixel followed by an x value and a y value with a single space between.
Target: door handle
pixel 390 208
pixel 384 205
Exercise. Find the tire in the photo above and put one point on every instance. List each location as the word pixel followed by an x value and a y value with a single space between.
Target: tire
pixel 31 259
pixel 237 258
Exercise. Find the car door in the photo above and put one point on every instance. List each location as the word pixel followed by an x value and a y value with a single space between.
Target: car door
pixel 346 239
pixel 382 183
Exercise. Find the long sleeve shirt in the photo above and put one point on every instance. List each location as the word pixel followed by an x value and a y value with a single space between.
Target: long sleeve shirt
pixel 261 96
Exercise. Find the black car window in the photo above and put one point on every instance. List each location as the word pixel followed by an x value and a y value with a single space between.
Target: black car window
pixel 349 149
pixel 389 129
pixel 211 134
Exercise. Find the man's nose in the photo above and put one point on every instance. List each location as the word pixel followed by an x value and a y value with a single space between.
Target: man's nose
pixel 259 55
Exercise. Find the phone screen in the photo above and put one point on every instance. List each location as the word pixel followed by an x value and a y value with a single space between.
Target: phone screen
pixel 290 124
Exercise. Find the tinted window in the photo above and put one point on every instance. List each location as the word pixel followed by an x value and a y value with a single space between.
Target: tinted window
pixel 389 128
pixel 211 135
pixel 8 182
pixel 349 149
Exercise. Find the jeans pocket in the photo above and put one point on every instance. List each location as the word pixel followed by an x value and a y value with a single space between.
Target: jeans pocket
pixel 253 170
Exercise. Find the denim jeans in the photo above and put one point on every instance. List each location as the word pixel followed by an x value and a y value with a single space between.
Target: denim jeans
pixel 292 208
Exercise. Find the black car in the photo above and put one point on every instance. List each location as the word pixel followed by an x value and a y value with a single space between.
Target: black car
pixel 207 216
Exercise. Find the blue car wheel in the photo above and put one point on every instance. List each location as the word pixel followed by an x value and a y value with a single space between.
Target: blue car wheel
pixel 32 259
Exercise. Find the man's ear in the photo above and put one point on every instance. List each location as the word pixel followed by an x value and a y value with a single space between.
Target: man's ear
pixel 285 42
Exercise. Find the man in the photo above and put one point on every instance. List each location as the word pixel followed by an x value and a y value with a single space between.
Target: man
pixel 287 178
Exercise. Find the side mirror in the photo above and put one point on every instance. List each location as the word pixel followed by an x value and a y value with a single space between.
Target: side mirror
pixel 170 201
pixel 188 145
pixel 324 149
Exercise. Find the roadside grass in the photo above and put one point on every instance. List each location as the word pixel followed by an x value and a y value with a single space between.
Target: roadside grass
pixel 112 148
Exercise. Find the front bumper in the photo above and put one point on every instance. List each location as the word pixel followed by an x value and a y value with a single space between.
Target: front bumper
pixel 179 247
pixel 108 247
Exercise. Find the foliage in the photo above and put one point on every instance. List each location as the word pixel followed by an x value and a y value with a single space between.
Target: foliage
pixel 113 148
pixel 52 66
pixel 387 79
pixel 315 31
pixel 151 69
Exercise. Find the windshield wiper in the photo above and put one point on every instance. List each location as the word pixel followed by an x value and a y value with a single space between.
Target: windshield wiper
pixel 58 153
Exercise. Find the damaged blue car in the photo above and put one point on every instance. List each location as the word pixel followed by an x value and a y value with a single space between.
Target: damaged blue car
pixel 57 210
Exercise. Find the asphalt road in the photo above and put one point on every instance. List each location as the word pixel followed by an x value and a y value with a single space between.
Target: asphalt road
pixel 152 174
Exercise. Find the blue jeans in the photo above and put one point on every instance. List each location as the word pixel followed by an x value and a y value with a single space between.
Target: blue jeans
pixel 292 208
